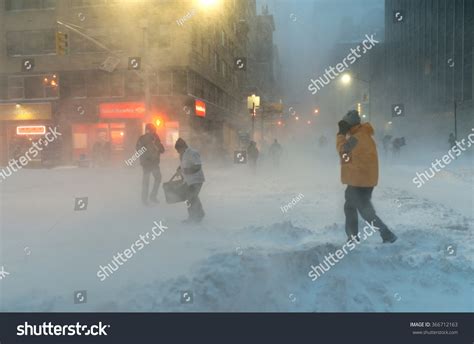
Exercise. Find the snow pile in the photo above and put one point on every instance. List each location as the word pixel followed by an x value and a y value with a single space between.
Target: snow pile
pixel 414 274
pixel 284 233
pixel 247 255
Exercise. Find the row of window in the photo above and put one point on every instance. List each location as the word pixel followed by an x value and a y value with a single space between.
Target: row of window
pixel 93 84
pixel 203 88
pixel 89 84
pixel 21 5
pixel 42 42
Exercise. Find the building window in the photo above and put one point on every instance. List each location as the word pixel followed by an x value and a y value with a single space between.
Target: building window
pixel 73 85
pixel 216 62
pixel 20 5
pixel 3 87
pixel 32 87
pixel 90 3
pixel 116 85
pixel 102 84
pixel 133 85
pixel 80 45
pixel 16 88
pixel 164 83
pixel 224 70
pixel 209 55
pixel 180 82
pixel 223 38
pixel 164 36
pixel 20 43
pixel 97 84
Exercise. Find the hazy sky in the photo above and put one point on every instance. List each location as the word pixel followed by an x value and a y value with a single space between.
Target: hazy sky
pixel 306 31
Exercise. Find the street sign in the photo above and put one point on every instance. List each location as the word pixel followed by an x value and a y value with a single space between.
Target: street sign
pixel 276 108
pixel 200 108
pixel 253 101
pixel 110 64
pixel 30 130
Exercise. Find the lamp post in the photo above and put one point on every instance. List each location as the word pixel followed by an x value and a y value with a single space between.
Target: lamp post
pixel 253 103
pixel 455 120
pixel 346 80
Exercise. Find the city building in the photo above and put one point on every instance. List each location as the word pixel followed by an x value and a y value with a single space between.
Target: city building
pixel 100 70
pixel 429 65
pixel 264 74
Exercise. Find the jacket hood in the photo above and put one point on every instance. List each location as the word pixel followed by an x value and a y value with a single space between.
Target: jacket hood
pixel 364 127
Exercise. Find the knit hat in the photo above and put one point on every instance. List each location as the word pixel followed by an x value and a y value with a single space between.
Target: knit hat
pixel 150 127
pixel 180 143
pixel 352 118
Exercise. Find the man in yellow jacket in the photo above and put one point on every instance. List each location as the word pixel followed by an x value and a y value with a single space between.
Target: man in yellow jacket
pixel 360 172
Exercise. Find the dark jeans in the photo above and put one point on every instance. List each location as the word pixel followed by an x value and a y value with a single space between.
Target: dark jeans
pixel 358 199
pixel 147 171
pixel 195 211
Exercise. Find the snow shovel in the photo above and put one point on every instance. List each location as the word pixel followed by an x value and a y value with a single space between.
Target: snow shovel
pixel 175 189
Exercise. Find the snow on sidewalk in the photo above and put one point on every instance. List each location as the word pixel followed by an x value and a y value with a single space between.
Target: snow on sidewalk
pixel 246 256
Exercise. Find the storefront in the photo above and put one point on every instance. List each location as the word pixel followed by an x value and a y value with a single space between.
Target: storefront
pixel 22 124
pixel 113 138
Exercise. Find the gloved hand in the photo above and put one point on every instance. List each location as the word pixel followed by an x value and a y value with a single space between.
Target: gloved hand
pixel 343 127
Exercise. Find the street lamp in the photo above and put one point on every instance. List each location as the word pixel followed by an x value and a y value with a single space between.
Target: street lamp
pixel 253 103
pixel 346 79
pixel 208 3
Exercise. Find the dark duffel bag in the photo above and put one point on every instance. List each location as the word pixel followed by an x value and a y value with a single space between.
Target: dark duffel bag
pixel 175 189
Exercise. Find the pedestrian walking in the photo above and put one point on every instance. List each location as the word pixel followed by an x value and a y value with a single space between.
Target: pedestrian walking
pixel 252 155
pixel 275 153
pixel 150 145
pixel 193 175
pixel 360 172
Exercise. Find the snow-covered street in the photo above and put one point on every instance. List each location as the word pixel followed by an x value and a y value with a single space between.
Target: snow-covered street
pixel 247 255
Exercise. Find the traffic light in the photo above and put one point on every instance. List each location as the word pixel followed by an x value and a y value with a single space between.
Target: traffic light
pixel 62 43
pixel 158 122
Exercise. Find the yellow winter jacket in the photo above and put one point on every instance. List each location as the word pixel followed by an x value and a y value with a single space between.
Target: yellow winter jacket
pixel 358 153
